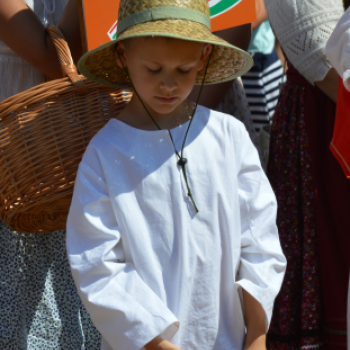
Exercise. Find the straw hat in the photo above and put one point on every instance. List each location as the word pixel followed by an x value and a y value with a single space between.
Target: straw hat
pixel 179 19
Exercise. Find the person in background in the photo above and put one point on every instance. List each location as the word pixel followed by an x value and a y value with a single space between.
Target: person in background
pixel 229 97
pixel 235 103
pixel 212 95
pixel 39 305
pixel 261 83
pixel 338 49
pixel 338 52
pixel 311 189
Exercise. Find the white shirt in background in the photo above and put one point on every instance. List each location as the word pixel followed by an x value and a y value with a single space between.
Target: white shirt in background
pixel 338 48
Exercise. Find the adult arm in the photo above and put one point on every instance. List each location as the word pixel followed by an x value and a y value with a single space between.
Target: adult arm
pixel 22 31
pixel 122 306
pixel 261 14
pixel 69 25
pixel 212 95
pixel 254 316
pixel 329 85
pixel 309 59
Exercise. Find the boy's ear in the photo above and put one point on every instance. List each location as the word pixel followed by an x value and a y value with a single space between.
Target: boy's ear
pixel 205 54
pixel 120 55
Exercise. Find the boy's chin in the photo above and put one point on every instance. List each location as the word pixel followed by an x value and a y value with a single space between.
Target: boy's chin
pixel 165 109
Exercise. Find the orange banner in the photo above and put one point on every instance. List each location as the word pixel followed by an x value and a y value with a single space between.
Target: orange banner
pixel 100 17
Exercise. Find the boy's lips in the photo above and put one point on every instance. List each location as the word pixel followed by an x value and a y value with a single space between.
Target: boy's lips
pixel 166 99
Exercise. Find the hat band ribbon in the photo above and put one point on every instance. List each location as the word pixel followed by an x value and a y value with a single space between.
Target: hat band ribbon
pixel 162 13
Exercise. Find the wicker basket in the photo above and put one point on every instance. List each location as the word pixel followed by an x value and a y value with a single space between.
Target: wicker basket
pixel 43 134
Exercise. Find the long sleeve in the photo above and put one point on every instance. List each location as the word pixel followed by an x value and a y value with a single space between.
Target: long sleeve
pixel 338 48
pixel 302 27
pixel 263 264
pixel 124 309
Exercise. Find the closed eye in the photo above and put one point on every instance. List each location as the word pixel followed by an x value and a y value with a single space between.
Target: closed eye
pixel 182 71
pixel 154 71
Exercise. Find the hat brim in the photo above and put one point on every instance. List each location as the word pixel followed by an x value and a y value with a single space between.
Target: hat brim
pixel 226 63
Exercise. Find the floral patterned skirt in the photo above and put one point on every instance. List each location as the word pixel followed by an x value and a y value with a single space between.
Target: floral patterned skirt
pixel 296 322
pixel 313 220
pixel 39 304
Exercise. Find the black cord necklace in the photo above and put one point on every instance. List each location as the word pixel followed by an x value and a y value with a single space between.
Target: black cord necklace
pixel 182 161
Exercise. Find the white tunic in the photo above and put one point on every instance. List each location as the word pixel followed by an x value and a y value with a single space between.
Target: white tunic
pixel 145 263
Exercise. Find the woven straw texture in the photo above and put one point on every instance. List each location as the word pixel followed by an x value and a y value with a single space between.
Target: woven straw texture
pixel 227 62
pixel 128 7
pixel 43 134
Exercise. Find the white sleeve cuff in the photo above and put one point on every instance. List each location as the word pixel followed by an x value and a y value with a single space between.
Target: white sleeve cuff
pixel 346 79
pixel 261 296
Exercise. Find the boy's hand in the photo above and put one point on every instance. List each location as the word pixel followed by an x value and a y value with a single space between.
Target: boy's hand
pixel 254 316
pixel 160 344
pixel 257 343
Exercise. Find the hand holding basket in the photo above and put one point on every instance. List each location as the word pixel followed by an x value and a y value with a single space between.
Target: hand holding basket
pixel 43 134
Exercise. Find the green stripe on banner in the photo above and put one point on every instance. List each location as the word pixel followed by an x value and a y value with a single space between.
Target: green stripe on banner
pixel 223 6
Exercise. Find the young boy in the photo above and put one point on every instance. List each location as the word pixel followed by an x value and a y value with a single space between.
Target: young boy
pixel 171 234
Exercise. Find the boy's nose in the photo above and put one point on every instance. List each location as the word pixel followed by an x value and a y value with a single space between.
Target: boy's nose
pixel 168 83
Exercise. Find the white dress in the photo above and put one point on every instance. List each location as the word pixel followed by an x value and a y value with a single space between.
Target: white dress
pixel 39 305
pixel 145 263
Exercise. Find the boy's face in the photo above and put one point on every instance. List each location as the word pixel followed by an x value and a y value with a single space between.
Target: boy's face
pixel 163 70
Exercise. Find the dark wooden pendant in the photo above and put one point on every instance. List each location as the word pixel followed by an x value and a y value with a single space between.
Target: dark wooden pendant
pixel 182 162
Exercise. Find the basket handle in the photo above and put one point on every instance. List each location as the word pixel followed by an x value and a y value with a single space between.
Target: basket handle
pixel 64 55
